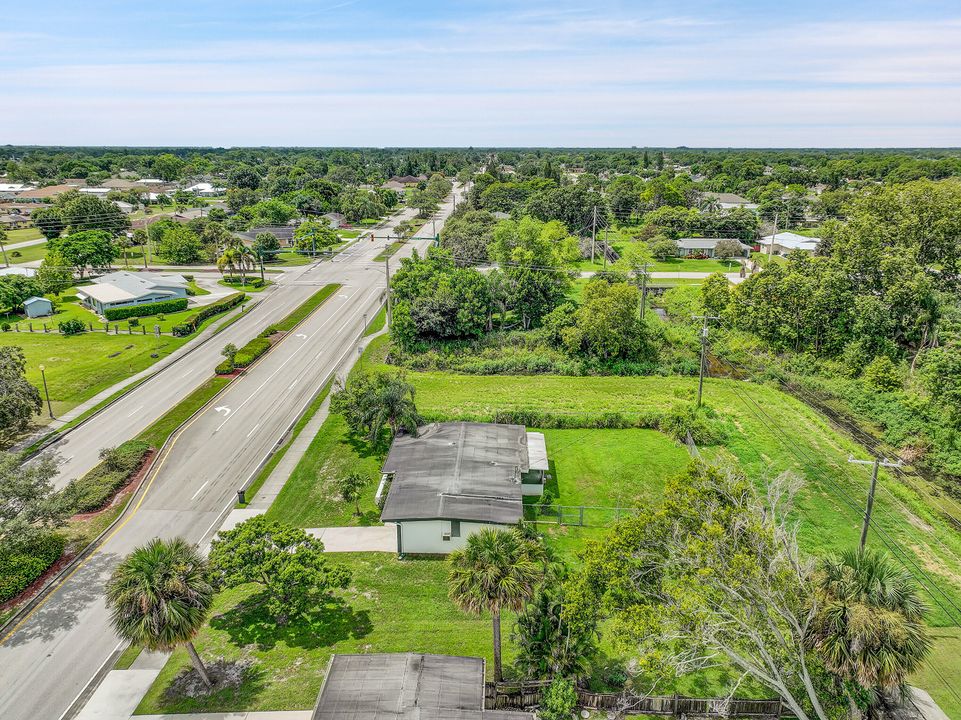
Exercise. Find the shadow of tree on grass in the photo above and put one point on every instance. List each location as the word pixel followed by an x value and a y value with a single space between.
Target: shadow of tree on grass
pixel 251 624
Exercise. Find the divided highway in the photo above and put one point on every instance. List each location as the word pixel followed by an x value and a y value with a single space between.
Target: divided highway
pixel 48 660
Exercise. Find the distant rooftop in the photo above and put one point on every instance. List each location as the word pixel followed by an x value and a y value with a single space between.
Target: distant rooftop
pixel 411 686
pixel 458 471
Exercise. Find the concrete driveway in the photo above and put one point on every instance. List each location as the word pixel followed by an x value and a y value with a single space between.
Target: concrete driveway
pixel 378 538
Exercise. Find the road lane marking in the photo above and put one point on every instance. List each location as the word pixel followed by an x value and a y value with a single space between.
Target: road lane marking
pixel 254 428
pixel 135 411
pixel 194 496
pixel 224 408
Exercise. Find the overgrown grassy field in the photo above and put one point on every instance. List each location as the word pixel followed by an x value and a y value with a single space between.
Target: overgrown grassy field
pixel 22 235
pixel 767 432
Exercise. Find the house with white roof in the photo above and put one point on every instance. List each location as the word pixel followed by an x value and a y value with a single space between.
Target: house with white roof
pixel 120 289
pixel 205 189
pixel 785 242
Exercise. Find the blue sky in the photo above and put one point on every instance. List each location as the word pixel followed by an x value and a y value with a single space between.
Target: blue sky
pixel 367 72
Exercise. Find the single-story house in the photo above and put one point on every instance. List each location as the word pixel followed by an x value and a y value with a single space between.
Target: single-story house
pixel 37 307
pixel 456 478
pixel 729 201
pixel 100 192
pixel 406 686
pixel 125 207
pixel 283 233
pixel 785 242
pixel 45 193
pixel 18 270
pixel 11 190
pixel 123 288
pixel 706 246
pixel 205 189
pixel 335 220
pixel 395 185
pixel 14 220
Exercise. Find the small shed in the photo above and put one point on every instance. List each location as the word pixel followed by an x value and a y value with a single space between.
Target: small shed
pixel 37 307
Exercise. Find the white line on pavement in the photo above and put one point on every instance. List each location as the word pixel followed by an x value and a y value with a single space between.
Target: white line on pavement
pixel 199 489
pixel 135 411
pixel 253 429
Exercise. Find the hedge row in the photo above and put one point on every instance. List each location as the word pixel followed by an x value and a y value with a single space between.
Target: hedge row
pixel 93 490
pixel 251 351
pixel 19 569
pixel 191 323
pixel 164 306
pixel 237 280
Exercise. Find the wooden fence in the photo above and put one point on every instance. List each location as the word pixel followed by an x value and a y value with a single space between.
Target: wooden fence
pixel 527 695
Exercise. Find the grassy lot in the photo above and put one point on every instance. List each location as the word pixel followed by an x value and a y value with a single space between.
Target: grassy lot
pixel 790 436
pixel 289 258
pixel 762 259
pixel 941 674
pixel 27 254
pixel 692 265
pixel 22 235
pixel 377 324
pixel 310 499
pixel 391 606
pixel 348 234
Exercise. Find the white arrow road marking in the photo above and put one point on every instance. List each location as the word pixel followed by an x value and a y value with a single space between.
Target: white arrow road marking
pixel 226 410
pixel 199 489
pixel 301 335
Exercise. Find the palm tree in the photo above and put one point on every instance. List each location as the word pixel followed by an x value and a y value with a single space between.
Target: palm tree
pixel 159 597
pixel 869 628
pixel 496 569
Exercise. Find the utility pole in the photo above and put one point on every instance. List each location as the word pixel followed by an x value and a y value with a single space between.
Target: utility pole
pixel 644 274
pixel 3 249
pixel 770 249
pixel 876 463
pixel 593 233
pixel 606 246
pixel 389 311
pixel 700 380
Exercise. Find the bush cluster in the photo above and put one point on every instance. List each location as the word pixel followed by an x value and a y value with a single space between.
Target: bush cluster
pixel 73 326
pixel 93 490
pixel 251 351
pixel 237 280
pixel 190 324
pixel 225 368
pixel 19 569
pixel 164 306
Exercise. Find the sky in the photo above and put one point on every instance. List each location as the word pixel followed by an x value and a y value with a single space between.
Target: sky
pixel 700 73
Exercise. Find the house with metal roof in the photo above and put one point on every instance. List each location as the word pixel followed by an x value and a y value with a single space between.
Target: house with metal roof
pixel 706 246
pixel 120 289
pixel 408 686
pixel 785 242
pixel 37 307
pixel 453 479
pixel 729 201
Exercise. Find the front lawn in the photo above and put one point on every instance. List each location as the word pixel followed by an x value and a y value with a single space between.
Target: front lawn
pixel 27 254
pixel 391 606
pixel 709 265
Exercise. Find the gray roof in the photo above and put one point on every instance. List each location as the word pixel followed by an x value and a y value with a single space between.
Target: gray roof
pixel 726 197
pixel 35 299
pixel 704 243
pixel 457 471
pixel 412 686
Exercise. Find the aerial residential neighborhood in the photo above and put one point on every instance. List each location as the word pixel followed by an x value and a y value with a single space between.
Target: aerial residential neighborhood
pixel 515 361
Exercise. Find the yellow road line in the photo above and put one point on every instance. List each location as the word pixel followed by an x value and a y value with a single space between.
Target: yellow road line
pixel 111 535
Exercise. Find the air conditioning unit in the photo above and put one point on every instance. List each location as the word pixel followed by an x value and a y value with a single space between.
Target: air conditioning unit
pixel 446 537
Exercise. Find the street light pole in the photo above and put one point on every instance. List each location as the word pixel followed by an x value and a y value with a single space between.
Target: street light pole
pixel 46 392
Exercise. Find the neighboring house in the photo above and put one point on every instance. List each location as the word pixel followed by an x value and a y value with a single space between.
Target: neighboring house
pixel 45 193
pixel 18 270
pixel 14 221
pixel 785 242
pixel 456 478
pixel 37 307
pixel 205 189
pixel 395 185
pixel 335 220
pixel 283 233
pixel 145 222
pixel 407 180
pixel 100 192
pixel 406 686
pixel 500 215
pixel 706 246
pixel 125 207
pixel 8 191
pixel 728 201
pixel 120 289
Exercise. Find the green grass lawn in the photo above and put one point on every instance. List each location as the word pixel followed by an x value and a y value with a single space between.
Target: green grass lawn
pixel 310 499
pixel 763 259
pixel 391 606
pixel 348 234
pixel 22 235
pixel 760 445
pixel 941 674
pixel 389 250
pixel 27 254
pixel 289 258
pixel 692 265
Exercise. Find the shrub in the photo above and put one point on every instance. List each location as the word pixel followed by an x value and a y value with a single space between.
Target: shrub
pixel 5 327
pixel 224 367
pixel 268 331
pixel 133 322
pixel 882 374
pixel 188 278
pixel 18 570
pixel 251 351
pixel 191 323
pixel 122 313
pixel 559 700
pixel 73 326
pixel 93 490
pixel 683 419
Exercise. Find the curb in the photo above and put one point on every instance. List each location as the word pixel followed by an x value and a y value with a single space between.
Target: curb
pixel 57 435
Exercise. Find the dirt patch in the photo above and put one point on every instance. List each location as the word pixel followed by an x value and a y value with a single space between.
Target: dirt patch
pixel 223 675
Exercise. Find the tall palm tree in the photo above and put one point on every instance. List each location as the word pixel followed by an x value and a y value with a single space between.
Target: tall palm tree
pixel 159 597
pixel 496 569
pixel 869 628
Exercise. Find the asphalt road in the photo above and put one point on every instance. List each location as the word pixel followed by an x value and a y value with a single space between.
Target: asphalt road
pixel 52 656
